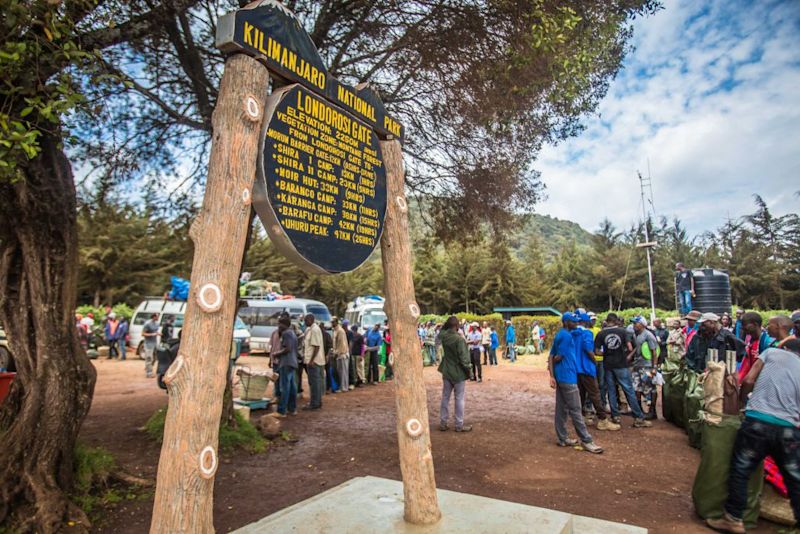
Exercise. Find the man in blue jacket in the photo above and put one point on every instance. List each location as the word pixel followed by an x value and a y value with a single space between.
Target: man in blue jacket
pixel 563 370
pixel 511 342
pixel 583 338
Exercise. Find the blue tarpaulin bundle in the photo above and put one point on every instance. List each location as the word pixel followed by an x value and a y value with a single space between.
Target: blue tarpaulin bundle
pixel 180 288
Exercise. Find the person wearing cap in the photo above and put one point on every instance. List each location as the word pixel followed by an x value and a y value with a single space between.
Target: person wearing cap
pixel 586 364
pixel 711 336
pixel 644 366
pixel 111 336
pixel 475 340
pixel 563 370
pixel 511 342
pixel 613 343
pixel 455 369
pixel 684 284
pixel 691 327
pixel 771 427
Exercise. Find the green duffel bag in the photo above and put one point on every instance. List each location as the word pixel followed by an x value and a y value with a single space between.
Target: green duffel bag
pixel 676 391
pixel 668 370
pixel 710 488
pixel 693 402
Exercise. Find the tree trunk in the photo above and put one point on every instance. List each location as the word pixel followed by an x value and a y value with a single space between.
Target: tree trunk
pixel 196 380
pixel 52 392
pixel 413 431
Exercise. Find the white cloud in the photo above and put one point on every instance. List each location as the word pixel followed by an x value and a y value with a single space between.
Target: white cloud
pixel 711 96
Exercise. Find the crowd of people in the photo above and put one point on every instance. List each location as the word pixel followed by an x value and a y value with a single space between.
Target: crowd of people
pixel 112 330
pixel 335 361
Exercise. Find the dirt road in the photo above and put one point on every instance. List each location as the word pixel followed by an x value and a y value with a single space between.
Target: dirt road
pixel 644 477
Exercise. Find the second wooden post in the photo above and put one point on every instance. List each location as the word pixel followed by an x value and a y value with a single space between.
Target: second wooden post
pixel 413 430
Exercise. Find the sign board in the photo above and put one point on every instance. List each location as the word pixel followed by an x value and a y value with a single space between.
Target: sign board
pixel 321 184
pixel 269 31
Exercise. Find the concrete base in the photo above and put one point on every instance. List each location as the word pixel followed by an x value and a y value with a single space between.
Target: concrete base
pixel 368 504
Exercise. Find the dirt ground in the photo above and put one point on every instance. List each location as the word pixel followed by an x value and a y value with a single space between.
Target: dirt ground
pixel 644 477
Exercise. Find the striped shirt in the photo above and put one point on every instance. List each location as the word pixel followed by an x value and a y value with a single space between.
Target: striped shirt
pixel 777 389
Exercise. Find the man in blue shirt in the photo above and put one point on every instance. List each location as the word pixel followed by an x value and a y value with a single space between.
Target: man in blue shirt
pixel 564 379
pixel 374 341
pixel 495 342
pixel 511 341
pixel 583 338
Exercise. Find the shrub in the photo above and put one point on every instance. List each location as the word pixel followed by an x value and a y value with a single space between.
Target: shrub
pixel 244 436
pixel 121 309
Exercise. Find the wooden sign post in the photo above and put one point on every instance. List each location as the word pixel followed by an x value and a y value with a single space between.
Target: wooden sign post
pixel 413 431
pixel 322 164
pixel 196 380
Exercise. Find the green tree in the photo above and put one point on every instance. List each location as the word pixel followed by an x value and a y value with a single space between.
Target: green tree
pixel 49 53
pixel 567 276
pixel 127 253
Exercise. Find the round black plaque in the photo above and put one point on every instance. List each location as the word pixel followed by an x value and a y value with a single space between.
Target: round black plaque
pixel 321 186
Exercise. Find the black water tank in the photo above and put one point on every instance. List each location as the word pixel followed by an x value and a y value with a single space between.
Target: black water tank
pixel 712 289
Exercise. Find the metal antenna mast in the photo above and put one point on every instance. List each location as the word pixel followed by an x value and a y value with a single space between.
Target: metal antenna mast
pixel 647 245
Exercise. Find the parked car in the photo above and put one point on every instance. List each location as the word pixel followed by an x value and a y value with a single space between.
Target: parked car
pixel 163 308
pixel 6 361
pixel 261 317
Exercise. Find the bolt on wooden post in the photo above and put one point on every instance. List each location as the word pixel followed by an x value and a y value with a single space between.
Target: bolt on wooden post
pixel 196 380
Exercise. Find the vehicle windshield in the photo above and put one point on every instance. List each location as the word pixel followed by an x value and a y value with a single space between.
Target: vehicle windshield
pixel 238 324
pixel 372 317
pixel 319 312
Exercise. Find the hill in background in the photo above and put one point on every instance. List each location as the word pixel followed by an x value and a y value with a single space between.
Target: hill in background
pixel 553 233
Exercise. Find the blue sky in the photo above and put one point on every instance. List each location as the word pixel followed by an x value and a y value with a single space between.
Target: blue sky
pixel 711 96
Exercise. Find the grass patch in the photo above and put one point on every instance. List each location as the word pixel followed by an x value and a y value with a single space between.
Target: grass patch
pixel 94 491
pixel 245 436
pixel 154 427
pixel 93 467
